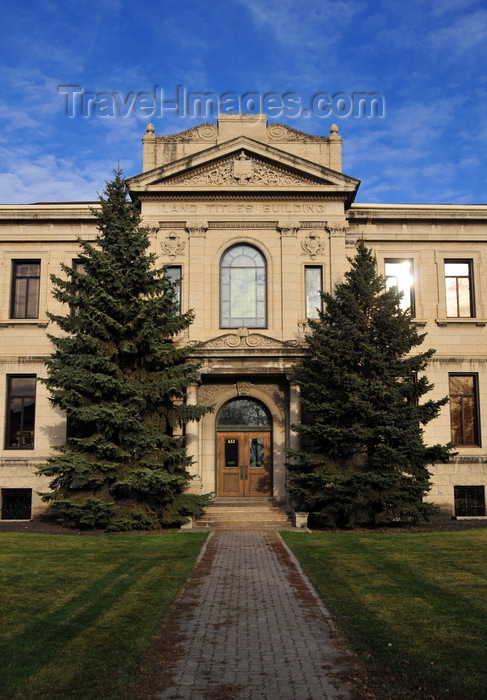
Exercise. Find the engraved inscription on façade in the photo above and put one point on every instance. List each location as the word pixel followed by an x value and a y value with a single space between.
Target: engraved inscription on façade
pixel 258 208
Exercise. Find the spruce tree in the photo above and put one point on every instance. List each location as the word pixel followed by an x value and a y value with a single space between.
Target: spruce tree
pixel 121 379
pixel 363 458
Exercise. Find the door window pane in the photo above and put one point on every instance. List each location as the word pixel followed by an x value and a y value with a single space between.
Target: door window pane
pixel 257 452
pixel 231 452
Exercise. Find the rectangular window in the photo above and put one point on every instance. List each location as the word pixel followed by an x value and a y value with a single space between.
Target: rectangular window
pixel 21 401
pixel 459 289
pixel 469 500
pixel 399 273
pixel 174 274
pixel 464 409
pixel 26 277
pixel 16 504
pixel 313 278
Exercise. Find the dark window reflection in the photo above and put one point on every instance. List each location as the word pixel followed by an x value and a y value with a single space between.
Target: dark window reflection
pixel 244 412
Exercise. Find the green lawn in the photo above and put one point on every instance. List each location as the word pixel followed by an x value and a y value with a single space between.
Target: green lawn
pixel 413 606
pixel 77 611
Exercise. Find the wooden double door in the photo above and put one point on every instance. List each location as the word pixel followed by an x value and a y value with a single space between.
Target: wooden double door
pixel 244 463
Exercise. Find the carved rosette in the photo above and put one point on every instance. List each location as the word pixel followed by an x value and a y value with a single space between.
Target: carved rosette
pixel 288 228
pixel 312 245
pixel 197 228
pixel 172 245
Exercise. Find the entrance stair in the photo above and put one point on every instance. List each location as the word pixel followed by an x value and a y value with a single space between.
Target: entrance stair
pixel 258 513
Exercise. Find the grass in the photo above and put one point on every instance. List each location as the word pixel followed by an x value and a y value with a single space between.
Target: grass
pixel 412 605
pixel 78 612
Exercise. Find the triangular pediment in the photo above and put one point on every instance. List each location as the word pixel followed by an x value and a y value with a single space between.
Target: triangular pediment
pixel 238 165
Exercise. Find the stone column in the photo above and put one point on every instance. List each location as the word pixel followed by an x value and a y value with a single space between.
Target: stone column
pixel 289 292
pixel 192 442
pixel 294 414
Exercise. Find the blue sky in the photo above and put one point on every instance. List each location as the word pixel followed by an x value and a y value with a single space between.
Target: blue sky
pixel 427 60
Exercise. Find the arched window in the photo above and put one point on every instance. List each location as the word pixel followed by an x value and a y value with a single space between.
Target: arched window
pixel 243 414
pixel 243 288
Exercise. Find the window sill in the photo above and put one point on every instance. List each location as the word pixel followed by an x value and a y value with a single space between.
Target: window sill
pixel 12 322
pixel 467 321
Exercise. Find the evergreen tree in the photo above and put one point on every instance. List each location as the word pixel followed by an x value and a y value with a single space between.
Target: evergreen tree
pixel 363 458
pixel 121 379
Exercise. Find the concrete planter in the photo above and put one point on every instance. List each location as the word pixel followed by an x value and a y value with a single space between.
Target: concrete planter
pixel 300 518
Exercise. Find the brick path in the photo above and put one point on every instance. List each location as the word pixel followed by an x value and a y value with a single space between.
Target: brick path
pixel 251 629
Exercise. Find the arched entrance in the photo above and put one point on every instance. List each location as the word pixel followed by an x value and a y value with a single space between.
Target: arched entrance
pixel 244 449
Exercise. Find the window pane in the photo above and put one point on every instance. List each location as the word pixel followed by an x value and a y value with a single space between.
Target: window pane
pixel 25 289
pixel 243 293
pixel 463 297
pixel 399 274
pixel 174 274
pixel 457 269
pixel 243 288
pixel 243 412
pixel 313 291
pixel 469 500
pixel 21 412
pixel 451 297
pixel 463 410
pixel 458 287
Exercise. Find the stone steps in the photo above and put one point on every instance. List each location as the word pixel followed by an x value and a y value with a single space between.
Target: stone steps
pixel 243 513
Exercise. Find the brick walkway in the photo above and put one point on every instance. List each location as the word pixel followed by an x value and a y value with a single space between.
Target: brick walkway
pixel 251 629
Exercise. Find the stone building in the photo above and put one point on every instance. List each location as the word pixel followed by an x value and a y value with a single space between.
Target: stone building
pixel 255 219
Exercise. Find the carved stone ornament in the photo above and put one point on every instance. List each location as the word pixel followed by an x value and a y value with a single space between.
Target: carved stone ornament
pixel 243 339
pixel 207 392
pixel 337 229
pixel 288 228
pixel 172 245
pixel 312 245
pixel 243 388
pixel 197 228
pixel 202 132
pixel 283 133
pixel 241 170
